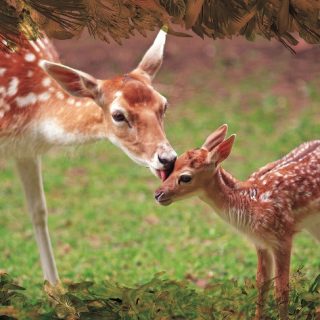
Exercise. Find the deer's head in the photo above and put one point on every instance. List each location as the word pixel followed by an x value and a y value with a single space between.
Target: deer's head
pixel 194 169
pixel 133 109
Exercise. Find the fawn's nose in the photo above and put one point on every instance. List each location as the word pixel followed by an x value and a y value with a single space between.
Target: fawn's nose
pixel 158 194
pixel 167 161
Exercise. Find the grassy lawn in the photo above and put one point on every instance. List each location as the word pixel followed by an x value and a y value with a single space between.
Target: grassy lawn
pixel 104 222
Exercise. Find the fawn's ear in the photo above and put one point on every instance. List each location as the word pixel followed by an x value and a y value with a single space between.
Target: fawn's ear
pixel 215 138
pixel 152 60
pixel 222 151
pixel 75 82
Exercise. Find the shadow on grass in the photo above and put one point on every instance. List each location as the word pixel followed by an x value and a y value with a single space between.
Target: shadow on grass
pixel 161 299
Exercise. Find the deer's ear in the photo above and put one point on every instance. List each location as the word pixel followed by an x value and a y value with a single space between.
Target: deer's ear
pixel 222 151
pixel 152 60
pixel 215 138
pixel 75 82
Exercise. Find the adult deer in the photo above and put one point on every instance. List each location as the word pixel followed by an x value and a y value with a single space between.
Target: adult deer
pixel 274 204
pixel 71 107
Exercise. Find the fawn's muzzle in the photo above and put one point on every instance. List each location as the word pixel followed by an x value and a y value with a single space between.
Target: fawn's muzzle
pixel 162 198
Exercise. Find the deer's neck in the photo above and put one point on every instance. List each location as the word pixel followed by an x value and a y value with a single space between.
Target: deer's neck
pixel 230 198
pixel 71 121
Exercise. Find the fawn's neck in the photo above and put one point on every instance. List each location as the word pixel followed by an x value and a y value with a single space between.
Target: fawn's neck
pixel 227 197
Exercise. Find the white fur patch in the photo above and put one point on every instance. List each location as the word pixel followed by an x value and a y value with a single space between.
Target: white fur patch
pixel 60 95
pixel 27 100
pixel 265 197
pixel 30 74
pixel 54 133
pixel 45 96
pixel 118 94
pixel 29 57
pixel 2 71
pixel 13 86
pixel 46 82
pixel 71 100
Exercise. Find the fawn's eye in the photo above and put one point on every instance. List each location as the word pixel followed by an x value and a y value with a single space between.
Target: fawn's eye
pixel 165 107
pixel 185 178
pixel 118 116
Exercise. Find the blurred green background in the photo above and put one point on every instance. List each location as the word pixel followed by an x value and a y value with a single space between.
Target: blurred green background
pixel 103 221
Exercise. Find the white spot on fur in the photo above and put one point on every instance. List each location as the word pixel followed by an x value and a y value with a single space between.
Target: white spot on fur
pixel 27 100
pixel 29 57
pixel 70 100
pixel 60 95
pixel 13 86
pixel 265 197
pixel 46 82
pixel 2 71
pixel 30 74
pixel 78 104
pixel 45 96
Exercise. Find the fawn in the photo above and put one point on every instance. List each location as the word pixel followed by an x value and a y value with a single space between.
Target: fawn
pixel 45 104
pixel 275 203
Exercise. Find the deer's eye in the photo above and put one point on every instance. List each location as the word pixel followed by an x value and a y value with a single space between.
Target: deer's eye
pixel 185 178
pixel 118 116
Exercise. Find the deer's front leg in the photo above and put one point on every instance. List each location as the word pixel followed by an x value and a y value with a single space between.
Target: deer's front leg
pixel 264 274
pixel 282 270
pixel 30 174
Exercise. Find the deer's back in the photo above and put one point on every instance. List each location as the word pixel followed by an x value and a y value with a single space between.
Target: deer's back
pixel 24 86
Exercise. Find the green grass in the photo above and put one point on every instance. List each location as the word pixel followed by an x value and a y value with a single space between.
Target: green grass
pixel 104 222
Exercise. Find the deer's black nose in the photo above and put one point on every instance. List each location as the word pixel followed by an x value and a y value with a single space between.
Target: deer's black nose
pixel 167 161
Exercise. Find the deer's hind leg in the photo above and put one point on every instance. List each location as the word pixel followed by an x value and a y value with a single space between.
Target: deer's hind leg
pixel 29 170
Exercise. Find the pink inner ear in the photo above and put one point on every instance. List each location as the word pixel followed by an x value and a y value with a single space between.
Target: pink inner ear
pixel 224 149
pixel 72 82
pixel 215 138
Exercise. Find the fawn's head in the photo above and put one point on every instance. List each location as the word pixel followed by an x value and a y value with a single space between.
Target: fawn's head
pixel 194 168
pixel 133 109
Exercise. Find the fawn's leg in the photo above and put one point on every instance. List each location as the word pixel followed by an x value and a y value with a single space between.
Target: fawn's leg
pixel 30 175
pixel 282 270
pixel 264 274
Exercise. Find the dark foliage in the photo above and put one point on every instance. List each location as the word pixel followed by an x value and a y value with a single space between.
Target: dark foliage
pixel 119 20
pixel 158 299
